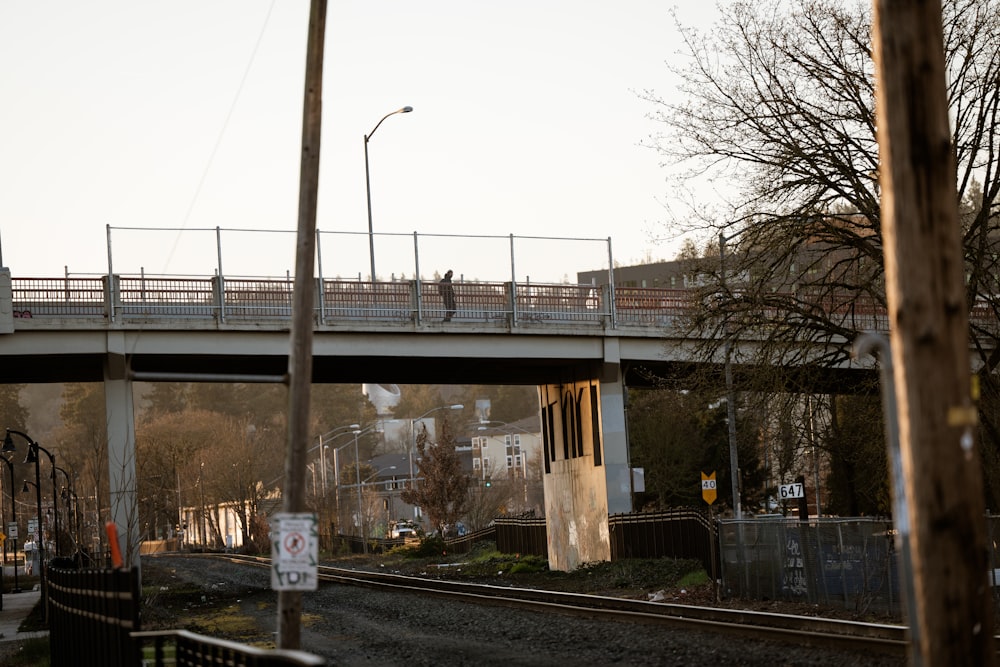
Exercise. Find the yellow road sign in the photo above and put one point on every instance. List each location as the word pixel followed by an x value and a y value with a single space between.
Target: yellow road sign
pixel 708 491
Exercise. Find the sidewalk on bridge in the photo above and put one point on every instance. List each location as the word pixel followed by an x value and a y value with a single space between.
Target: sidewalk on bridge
pixel 16 608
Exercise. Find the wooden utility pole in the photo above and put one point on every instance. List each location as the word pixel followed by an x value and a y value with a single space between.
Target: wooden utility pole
pixel 930 342
pixel 300 356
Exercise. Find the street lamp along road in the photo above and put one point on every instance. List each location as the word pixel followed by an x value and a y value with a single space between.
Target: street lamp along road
pixel 32 457
pixel 13 514
pixel 734 459
pixel 357 476
pixel 361 514
pixel 72 511
pixel 368 188
pixel 39 538
pixel 324 445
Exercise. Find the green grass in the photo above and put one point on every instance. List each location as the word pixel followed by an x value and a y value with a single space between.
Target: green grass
pixel 30 653
pixel 484 562
pixel 698 578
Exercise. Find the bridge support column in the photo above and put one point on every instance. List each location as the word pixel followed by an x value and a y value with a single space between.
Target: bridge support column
pixel 120 416
pixel 586 469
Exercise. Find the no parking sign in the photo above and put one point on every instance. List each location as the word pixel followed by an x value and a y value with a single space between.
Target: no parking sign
pixel 294 552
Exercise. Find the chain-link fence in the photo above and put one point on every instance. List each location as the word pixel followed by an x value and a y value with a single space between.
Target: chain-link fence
pixel 824 561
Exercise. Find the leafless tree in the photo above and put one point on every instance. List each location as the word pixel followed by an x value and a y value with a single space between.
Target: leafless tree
pixel 778 114
pixel 442 490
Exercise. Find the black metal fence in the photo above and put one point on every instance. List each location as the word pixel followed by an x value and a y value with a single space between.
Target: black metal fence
pixel 91 615
pixel 525 536
pixel 463 544
pixel 180 647
pixel 681 533
pixel 94 622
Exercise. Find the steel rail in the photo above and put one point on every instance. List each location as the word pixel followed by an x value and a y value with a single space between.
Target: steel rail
pixel 802 630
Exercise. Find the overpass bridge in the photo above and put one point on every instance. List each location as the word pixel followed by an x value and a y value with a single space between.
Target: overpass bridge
pixel 581 345
pixel 503 332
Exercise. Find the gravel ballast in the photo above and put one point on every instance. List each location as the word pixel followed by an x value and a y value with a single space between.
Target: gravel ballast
pixel 360 626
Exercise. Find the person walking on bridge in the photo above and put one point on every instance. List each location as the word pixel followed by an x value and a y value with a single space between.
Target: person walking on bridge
pixel 448 295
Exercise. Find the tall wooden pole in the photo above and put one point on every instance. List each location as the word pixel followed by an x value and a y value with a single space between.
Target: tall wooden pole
pixel 300 356
pixel 930 342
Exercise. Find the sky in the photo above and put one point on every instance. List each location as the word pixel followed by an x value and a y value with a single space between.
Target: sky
pixel 166 120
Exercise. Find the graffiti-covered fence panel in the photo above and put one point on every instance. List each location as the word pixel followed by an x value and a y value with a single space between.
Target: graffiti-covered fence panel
pixel 829 561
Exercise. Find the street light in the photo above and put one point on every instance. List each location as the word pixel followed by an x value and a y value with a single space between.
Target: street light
pixel 361 514
pixel 39 541
pixel 72 512
pixel 13 514
pixel 734 459
pixel 357 476
pixel 8 446
pixel 323 446
pixel 368 187
pixel 32 457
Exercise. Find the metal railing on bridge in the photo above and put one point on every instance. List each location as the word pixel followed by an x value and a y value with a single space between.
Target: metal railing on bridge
pixel 131 298
pixel 344 302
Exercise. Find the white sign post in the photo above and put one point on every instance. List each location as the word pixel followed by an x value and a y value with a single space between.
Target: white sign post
pixel 294 552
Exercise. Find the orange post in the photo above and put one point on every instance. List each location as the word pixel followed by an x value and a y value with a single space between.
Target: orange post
pixel 116 552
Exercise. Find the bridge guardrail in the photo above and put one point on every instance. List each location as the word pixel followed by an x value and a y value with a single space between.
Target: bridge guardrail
pixel 130 298
pixel 504 304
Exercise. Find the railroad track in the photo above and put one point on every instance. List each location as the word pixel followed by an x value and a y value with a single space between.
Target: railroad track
pixel 801 630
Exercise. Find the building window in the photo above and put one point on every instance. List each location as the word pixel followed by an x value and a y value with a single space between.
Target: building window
pixel 475 443
pixel 510 461
pixel 476 463
pixel 506 440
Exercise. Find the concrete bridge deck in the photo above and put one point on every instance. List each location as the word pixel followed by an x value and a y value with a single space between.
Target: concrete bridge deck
pixel 63 329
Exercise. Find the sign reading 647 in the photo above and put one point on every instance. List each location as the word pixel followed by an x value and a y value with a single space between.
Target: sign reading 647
pixel 788 491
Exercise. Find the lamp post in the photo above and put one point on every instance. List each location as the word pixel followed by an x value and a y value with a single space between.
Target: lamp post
pixel 357 476
pixel 72 510
pixel 39 540
pixel 734 459
pixel 32 457
pixel 368 188
pixel 8 446
pixel 361 515
pixel 13 515
pixel 323 447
